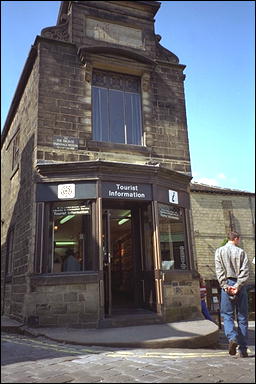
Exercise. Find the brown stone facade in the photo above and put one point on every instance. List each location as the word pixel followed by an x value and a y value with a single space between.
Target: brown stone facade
pixel 17 197
pixel 65 87
pixel 53 113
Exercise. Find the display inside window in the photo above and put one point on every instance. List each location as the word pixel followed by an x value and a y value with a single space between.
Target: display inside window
pixel 116 104
pixel 71 237
pixel 172 237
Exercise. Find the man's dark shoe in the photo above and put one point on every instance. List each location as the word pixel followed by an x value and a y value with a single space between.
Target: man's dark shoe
pixel 243 353
pixel 232 347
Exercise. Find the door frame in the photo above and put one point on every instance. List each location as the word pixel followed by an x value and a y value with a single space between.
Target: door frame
pixel 131 205
pixel 106 249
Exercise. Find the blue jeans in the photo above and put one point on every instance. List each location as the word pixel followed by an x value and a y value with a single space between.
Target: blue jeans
pixel 228 309
pixel 205 311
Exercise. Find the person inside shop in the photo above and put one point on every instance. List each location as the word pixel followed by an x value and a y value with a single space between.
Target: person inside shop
pixel 71 264
pixel 203 295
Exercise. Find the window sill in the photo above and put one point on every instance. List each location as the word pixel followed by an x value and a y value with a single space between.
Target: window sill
pixel 116 147
pixel 64 278
pixel 170 276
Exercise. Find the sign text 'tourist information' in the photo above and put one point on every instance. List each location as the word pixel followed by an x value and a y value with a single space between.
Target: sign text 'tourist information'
pixel 126 191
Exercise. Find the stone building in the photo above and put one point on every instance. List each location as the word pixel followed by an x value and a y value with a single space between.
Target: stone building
pixel 96 175
pixel 215 212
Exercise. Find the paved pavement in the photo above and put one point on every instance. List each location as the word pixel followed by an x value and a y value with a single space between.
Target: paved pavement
pixel 29 359
pixel 183 334
pixel 26 359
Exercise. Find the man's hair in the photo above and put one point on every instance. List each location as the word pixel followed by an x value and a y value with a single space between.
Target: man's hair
pixel 233 235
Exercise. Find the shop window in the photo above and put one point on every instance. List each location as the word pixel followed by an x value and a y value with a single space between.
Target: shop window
pixel 116 101
pixel 172 237
pixel 70 237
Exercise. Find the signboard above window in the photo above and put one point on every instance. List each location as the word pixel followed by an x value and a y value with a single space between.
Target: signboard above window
pixel 56 191
pixel 170 212
pixel 114 33
pixel 126 191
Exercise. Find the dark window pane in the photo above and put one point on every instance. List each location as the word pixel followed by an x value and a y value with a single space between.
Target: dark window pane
pixel 116 81
pixel 116 108
pixel 172 237
pixel 116 116
pixel 133 118
pixel 100 114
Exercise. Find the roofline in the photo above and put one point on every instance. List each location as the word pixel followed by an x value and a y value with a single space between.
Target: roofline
pixel 59 167
pixel 20 89
pixel 155 5
pixel 205 188
pixel 23 82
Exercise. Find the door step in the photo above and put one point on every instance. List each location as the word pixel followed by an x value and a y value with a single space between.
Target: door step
pixel 129 320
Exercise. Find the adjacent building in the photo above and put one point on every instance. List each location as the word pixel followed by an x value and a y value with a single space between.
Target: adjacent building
pixel 215 212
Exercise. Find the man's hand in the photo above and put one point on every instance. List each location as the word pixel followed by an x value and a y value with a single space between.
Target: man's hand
pixel 231 290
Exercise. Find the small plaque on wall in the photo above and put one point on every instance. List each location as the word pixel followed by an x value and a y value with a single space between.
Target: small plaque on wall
pixel 66 191
pixel 65 142
pixel 173 197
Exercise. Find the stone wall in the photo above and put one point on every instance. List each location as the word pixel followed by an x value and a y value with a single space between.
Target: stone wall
pixel 181 297
pixel 65 85
pixel 120 24
pixel 62 101
pixel 63 301
pixel 17 196
pixel 65 110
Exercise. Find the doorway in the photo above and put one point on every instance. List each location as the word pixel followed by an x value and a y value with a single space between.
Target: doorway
pixel 128 259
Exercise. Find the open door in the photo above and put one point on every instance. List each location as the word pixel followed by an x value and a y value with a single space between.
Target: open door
pixel 128 259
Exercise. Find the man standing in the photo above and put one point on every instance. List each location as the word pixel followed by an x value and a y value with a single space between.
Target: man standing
pixel 232 270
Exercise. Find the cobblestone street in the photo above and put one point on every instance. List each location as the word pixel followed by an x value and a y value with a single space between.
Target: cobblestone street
pixel 38 360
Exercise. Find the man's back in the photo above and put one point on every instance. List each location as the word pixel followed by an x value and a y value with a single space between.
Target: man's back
pixel 231 262
pixel 232 270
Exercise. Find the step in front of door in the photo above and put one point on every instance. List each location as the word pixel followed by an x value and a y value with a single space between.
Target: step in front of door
pixel 130 320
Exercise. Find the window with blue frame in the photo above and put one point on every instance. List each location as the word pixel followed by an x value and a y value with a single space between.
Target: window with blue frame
pixel 116 100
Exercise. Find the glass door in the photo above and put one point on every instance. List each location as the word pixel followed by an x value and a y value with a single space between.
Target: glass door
pixel 146 271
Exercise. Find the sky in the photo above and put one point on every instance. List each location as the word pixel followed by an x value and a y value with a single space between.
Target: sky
pixel 216 42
